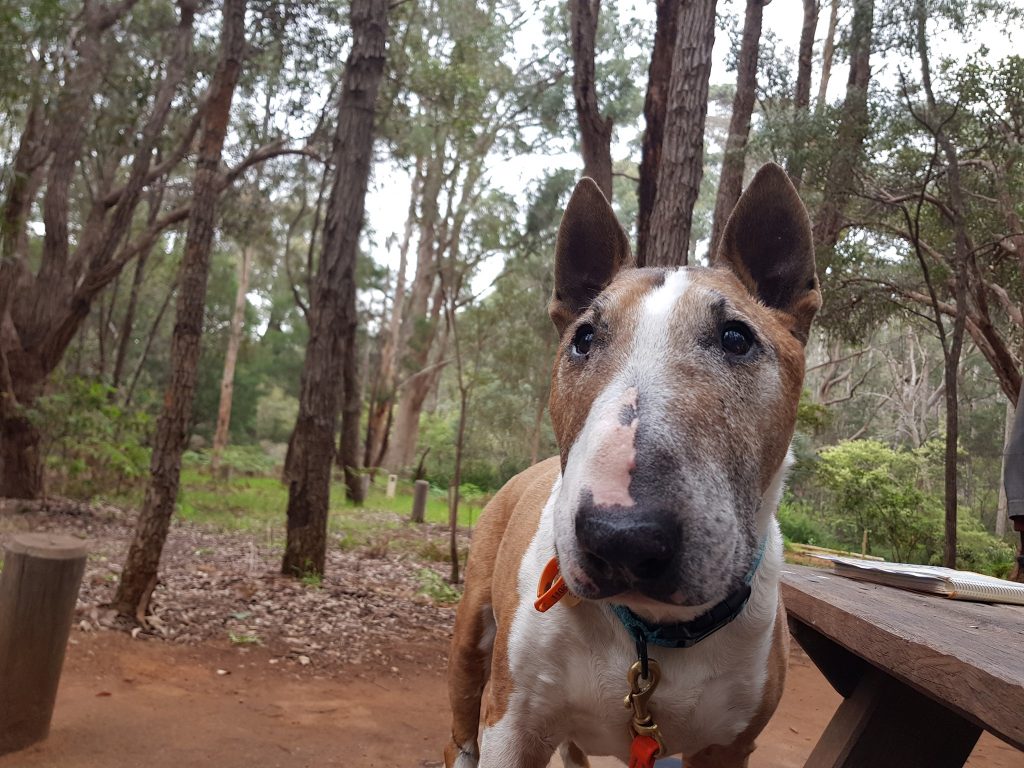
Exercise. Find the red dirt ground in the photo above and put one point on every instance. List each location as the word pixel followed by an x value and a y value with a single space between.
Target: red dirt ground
pixel 130 703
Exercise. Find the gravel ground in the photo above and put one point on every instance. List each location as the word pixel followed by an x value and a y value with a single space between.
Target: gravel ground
pixel 223 587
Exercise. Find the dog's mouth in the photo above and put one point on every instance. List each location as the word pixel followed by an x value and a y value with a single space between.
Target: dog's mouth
pixel 601 584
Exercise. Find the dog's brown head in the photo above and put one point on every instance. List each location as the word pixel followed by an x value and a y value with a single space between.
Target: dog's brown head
pixel 674 397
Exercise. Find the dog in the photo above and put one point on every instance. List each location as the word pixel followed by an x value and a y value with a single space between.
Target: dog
pixel 673 399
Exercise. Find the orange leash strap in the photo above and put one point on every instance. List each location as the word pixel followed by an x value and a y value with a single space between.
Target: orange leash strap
pixel 643 752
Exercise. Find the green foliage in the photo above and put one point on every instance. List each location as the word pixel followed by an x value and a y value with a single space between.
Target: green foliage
pixel 978 550
pixel 875 487
pixel 275 415
pixel 811 416
pixel 433 585
pixel 250 460
pixel 92 445
pixel 799 524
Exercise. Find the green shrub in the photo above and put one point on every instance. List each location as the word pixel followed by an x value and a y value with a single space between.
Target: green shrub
pixel 433 585
pixel 978 550
pixel 90 443
pixel 877 488
pixel 248 460
pixel 799 524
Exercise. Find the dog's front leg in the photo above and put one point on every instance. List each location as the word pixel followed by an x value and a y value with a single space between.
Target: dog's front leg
pixel 512 744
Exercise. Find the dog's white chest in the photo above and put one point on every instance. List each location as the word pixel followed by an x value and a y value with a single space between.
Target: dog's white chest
pixel 570 665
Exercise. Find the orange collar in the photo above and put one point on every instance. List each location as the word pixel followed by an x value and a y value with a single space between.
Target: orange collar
pixel 552 587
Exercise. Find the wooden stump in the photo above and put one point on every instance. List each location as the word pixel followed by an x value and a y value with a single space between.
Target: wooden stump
pixel 38 589
pixel 392 486
pixel 419 500
pixel 365 480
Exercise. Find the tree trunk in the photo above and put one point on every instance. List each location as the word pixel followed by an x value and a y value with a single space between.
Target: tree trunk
pixel 951 372
pixel 332 306
pixel 851 134
pixel 655 106
pixel 595 130
pixel 802 94
pixel 21 460
pixel 453 510
pixel 348 447
pixel 140 571
pixel 413 392
pixel 827 54
pixel 150 337
pixel 730 184
pixel 128 321
pixel 379 418
pixel 419 326
pixel 682 154
pixel 1007 434
pixel 227 381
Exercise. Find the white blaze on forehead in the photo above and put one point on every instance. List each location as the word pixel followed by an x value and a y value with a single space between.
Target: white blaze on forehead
pixel 613 453
pixel 603 457
pixel 661 300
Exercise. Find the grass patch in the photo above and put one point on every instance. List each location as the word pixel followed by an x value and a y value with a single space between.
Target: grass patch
pixel 251 504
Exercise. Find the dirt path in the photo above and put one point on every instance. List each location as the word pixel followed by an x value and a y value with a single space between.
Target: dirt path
pixel 130 703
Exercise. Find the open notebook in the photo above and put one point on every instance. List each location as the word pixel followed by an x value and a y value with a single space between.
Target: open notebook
pixel 933 579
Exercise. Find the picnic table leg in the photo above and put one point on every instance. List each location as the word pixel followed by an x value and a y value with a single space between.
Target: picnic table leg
pixel 882 722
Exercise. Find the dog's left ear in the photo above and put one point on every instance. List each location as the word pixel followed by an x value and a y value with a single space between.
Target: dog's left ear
pixel 767 243
pixel 591 248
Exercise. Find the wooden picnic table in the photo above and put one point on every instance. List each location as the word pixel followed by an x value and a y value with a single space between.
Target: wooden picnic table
pixel 921 676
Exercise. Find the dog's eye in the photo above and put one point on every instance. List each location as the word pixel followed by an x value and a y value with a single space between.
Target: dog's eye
pixel 582 340
pixel 737 339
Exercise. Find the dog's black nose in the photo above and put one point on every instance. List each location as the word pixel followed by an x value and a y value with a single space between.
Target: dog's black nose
pixel 623 547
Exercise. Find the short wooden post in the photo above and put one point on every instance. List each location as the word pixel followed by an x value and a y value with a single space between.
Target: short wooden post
pixel 365 480
pixel 419 500
pixel 38 589
pixel 392 486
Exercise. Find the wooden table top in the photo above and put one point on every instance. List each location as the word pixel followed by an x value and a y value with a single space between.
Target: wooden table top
pixel 968 656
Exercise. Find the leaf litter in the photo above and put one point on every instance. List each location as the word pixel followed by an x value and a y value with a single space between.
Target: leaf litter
pixel 224 587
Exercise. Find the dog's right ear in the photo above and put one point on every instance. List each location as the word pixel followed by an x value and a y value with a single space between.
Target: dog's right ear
pixel 590 250
pixel 768 245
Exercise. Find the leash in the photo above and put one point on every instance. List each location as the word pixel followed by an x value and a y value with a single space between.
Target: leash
pixel 644 673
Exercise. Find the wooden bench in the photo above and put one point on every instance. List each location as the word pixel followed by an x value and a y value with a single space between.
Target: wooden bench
pixel 921 676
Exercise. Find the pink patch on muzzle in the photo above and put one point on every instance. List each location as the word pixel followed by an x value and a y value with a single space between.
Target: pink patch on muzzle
pixel 612 456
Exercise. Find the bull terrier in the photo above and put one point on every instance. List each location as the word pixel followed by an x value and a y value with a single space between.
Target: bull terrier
pixel 673 398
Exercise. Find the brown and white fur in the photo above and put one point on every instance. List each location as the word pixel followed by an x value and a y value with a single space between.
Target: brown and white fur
pixel 673 454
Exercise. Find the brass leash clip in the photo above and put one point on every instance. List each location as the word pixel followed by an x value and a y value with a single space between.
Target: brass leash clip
pixel 640 691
